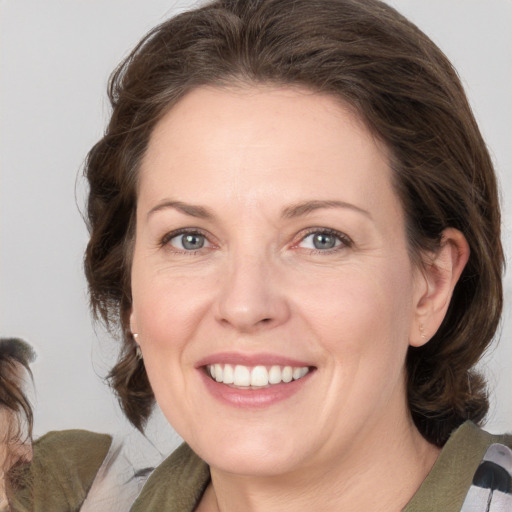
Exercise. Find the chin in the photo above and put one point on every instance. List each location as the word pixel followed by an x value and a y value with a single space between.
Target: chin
pixel 254 464
pixel 249 454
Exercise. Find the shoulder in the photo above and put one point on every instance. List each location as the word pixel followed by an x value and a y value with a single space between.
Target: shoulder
pixel 447 484
pixel 69 444
pixel 176 485
pixel 62 470
pixel 71 456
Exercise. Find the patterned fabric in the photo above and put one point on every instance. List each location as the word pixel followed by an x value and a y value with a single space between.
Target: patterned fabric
pixel 491 489
pixel 127 466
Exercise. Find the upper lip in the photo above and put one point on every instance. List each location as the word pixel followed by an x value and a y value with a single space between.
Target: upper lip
pixel 264 359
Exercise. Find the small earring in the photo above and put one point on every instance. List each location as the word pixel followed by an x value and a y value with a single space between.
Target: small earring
pixel 422 332
pixel 135 335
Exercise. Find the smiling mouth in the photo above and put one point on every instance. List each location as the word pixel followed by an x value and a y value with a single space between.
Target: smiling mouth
pixel 255 377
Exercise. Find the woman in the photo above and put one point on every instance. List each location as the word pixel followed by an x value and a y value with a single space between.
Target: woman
pixel 294 222
pixel 15 414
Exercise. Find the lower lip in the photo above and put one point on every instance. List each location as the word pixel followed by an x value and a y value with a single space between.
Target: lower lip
pixel 253 398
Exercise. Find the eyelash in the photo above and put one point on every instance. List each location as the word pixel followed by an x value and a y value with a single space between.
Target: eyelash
pixel 165 241
pixel 345 241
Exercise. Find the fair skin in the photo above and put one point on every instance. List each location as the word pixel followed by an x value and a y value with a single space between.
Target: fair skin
pixel 269 235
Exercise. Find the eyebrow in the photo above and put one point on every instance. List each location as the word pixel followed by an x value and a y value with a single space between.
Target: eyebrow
pixel 293 211
pixel 186 208
pixel 306 207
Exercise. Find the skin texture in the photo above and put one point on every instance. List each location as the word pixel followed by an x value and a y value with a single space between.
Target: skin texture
pixel 248 157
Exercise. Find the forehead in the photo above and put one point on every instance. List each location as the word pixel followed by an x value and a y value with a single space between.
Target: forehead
pixel 207 113
pixel 263 140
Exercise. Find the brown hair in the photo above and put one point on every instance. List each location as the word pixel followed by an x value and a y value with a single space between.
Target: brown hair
pixel 15 413
pixel 14 355
pixel 407 92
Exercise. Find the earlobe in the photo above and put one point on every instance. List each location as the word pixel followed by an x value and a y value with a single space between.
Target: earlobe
pixel 439 275
pixel 133 324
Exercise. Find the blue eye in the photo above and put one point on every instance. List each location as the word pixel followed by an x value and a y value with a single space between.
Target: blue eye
pixel 189 241
pixel 323 240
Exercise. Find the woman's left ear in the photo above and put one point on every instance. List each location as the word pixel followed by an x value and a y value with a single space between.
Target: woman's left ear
pixel 435 284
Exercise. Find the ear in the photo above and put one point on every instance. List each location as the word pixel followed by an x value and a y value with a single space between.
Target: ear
pixel 436 281
pixel 133 325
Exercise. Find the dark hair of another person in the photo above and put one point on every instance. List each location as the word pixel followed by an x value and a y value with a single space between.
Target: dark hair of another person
pixel 406 91
pixel 15 358
pixel 14 355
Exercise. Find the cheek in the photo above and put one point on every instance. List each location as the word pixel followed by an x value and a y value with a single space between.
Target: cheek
pixel 166 308
pixel 168 314
pixel 362 323
pixel 363 314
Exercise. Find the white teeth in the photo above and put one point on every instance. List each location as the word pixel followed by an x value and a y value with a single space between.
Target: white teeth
pixel 228 376
pixel 218 373
pixel 257 376
pixel 287 374
pixel 297 373
pixel 274 376
pixel 242 376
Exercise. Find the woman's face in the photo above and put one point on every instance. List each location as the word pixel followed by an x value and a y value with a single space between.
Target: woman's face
pixel 270 253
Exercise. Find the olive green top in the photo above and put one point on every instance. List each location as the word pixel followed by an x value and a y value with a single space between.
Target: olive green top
pixel 448 482
pixel 66 463
pixel 62 471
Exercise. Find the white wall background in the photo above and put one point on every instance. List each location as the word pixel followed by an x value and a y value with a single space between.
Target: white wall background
pixel 55 58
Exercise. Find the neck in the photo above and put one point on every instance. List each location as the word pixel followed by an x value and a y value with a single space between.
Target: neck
pixel 381 473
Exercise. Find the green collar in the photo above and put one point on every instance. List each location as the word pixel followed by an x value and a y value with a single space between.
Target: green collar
pixel 447 484
pixel 179 482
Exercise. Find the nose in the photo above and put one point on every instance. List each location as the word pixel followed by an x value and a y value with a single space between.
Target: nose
pixel 251 297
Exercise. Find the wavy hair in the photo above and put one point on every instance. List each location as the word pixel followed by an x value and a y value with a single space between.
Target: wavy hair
pixel 408 94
